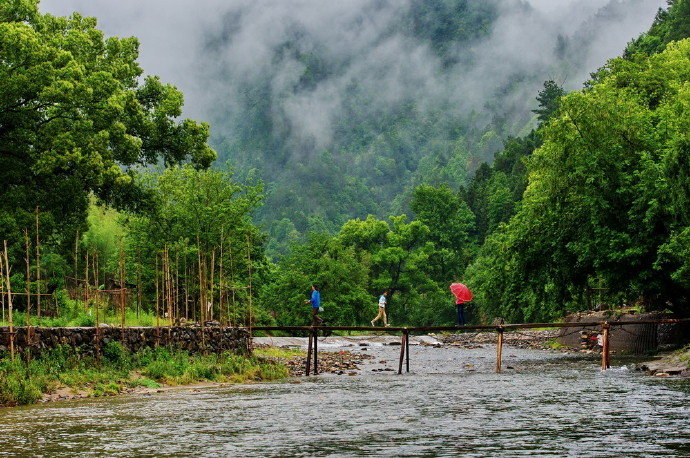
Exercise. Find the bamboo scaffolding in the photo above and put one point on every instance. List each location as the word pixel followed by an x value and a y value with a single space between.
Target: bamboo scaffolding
pixel 202 294
pixel 158 324
pixel 176 303
pixel 122 289
pixel 139 289
pixel 249 268
pixel 220 280
pixel 186 289
pixel 86 283
pixel 2 286
pixel 27 279
pixel 76 259
pixel 212 286
pixel 232 282
pixel 38 267
pixel 9 299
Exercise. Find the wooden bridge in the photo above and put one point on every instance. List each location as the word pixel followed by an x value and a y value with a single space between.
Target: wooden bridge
pixel 313 332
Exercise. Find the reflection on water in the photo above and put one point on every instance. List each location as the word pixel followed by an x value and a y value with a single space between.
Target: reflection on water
pixel 452 403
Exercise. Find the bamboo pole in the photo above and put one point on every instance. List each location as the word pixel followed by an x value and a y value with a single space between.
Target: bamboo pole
pixel 212 286
pixel 2 286
pixel 176 302
pixel 186 289
pixel 605 358
pixel 166 285
pixel 499 350
pixel 9 300
pixel 139 289
pixel 38 267
pixel 86 283
pixel 96 293
pixel 122 290
pixel 76 261
pixel 232 290
pixel 249 268
pixel 158 324
pixel 202 294
pixel 27 282
pixel 220 280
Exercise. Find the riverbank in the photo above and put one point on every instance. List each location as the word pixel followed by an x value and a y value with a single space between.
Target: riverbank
pixel 63 374
pixel 676 363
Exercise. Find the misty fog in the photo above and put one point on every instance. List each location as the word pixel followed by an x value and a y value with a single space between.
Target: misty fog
pixel 212 49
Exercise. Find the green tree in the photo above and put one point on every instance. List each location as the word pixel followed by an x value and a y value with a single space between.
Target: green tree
pixel 204 219
pixel 76 117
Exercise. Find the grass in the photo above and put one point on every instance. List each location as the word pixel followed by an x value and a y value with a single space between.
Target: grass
pixel 684 355
pixel 275 352
pixel 25 382
pixel 554 345
pixel 87 318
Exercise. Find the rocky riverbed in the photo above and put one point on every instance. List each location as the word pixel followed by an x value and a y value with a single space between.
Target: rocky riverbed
pixel 333 362
pixel 519 339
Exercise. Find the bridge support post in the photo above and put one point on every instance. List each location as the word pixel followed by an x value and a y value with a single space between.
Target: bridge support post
pixel 499 350
pixel 308 354
pixel 316 352
pixel 605 352
pixel 403 344
pixel 407 351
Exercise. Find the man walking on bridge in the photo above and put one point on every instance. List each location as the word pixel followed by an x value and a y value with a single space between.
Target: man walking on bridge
pixel 315 305
pixel 382 310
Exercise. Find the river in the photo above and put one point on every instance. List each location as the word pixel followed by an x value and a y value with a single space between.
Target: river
pixel 451 403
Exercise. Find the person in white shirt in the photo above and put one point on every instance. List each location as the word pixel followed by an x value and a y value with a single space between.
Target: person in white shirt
pixel 382 310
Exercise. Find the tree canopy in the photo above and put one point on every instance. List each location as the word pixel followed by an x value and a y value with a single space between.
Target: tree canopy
pixel 77 116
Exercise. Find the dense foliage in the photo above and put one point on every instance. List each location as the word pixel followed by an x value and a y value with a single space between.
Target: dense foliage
pixel 607 198
pixel 76 117
pixel 597 196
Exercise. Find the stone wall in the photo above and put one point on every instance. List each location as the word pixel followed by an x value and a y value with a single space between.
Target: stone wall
pixel 90 340
pixel 633 338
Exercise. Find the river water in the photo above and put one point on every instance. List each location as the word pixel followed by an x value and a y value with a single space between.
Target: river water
pixel 450 404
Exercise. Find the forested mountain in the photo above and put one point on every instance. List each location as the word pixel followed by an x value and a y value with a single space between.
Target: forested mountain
pixel 346 121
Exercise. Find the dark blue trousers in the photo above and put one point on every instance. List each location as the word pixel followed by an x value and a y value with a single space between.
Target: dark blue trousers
pixel 461 314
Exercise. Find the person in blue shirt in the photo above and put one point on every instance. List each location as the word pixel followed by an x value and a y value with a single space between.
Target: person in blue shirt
pixel 315 305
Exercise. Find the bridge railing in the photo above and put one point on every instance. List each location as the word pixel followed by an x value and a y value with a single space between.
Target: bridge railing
pixel 312 346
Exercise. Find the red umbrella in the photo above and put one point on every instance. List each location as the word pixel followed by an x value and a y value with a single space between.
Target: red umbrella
pixel 462 293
